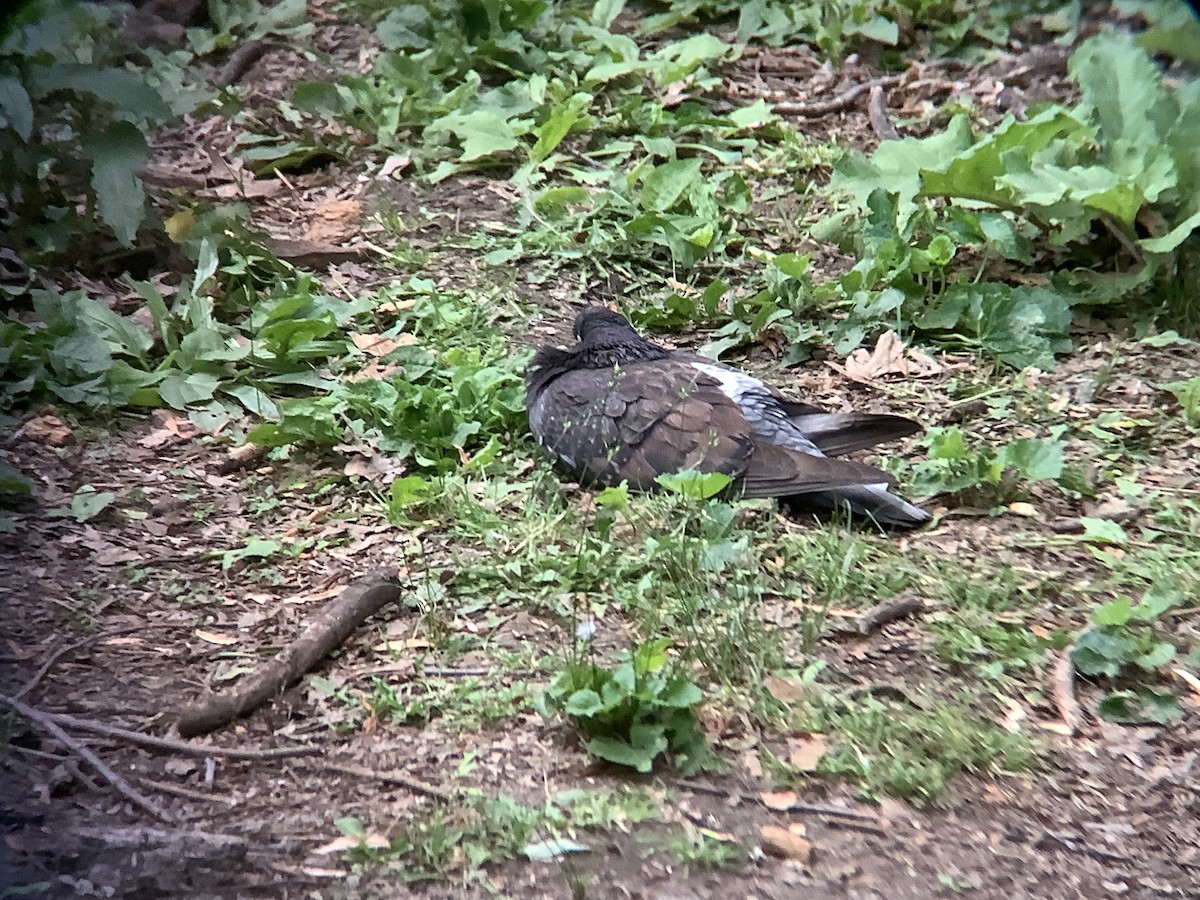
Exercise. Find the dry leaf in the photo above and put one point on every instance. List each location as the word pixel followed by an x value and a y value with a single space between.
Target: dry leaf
pixel 785 690
pixel 214 637
pixel 314 598
pixel 889 358
pixel 334 220
pixel 46 429
pixel 402 645
pixel 780 801
pixel 1020 508
pixel 787 843
pixel 804 754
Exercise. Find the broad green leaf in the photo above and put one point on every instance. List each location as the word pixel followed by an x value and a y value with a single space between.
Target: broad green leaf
pixel 256 548
pixel 117 153
pixel 483 133
pixel 15 109
pixel 1157 657
pixel 663 185
pixel 1114 612
pixel 1103 531
pixel 695 485
pixel 623 753
pixel 1099 653
pixel 254 400
pixel 551 132
pixel 86 504
pixel 180 391
pixel 583 703
pixel 1036 460
pixel 1123 86
pixel 1138 707
pixel 12 481
pixel 407 27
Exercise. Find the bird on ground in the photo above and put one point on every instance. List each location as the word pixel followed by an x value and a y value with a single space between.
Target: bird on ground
pixel 619 408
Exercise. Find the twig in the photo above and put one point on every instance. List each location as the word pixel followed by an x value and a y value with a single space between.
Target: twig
pixel 58 654
pixel 1063 689
pixel 186 793
pixel 47 665
pixel 389 777
pixel 877 113
pixel 888 611
pixel 699 788
pixel 240 457
pixel 336 622
pixel 842 101
pixel 1187 678
pixel 122 786
pixel 181 747
pixel 240 62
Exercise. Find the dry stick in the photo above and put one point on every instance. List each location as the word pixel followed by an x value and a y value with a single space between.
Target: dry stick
pixel 152 742
pixel 698 788
pixel 241 61
pixel 389 777
pixel 328 630
pixel 168 788
pixel 1063 689
pixel 877 113
pixel 60 653
pixel 842 101
pixel 888 611
pixel 122 786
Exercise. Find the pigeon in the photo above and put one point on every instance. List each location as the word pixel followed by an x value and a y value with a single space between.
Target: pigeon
pixel 618 408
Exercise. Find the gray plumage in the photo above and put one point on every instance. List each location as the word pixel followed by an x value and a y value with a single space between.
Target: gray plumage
pixel 616 407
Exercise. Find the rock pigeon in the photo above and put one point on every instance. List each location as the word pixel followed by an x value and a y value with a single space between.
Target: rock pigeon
pixel 618 408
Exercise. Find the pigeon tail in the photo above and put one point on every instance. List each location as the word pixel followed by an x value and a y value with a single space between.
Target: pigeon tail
pixel 872 501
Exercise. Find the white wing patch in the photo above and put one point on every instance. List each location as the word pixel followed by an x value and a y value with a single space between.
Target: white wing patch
pixel 734 384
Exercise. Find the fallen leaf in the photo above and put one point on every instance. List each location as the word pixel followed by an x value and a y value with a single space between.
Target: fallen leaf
pixel 334 220
pixel 214 637
pixel 1026 510
pixel 780 801
pixel 314 598
pixel 805 753
pixel 402 645
pixel 397 162
pixel 46 429
pixel 890 357
pixel 785 690
pixel 787 843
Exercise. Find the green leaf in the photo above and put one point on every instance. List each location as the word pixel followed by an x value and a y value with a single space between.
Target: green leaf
pixel 180 391
pixel 623 753
pixel 87 504
pixel 15 108
pixel 1103 531
pixel 1115 612
pixel 483 133
pixel 695 485
pixel 560 121
pixel 256 548
pixel 1156 657
pixel 1036 460
pixel 1100 653
pixel 254 400
pixel 13 481
pixel 583 703
pixel 663 185
pixel 117 153
pixel 407 27
pixel 1139 707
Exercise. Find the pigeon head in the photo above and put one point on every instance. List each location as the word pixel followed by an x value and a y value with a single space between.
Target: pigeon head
pixel 601 321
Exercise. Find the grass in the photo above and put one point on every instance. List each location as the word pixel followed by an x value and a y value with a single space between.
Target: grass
pixel 701 209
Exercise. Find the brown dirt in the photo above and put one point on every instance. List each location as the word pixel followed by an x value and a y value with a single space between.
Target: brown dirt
pixel 127 618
